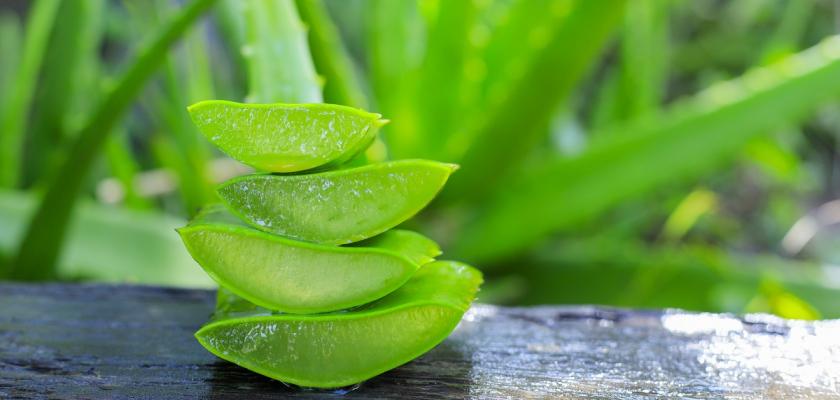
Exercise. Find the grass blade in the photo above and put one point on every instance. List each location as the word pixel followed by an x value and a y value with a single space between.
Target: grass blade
pixel 690 140
pixel 36 258
pixel 508 133
pixel 16 111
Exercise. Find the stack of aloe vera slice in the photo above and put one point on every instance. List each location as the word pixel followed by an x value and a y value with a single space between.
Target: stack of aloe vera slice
pixel 316 288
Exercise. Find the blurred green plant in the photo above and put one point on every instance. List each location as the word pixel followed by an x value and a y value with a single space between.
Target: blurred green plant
pixel 13 116
pixel 644 154
pixel 695 137
pixel 109 244
pixel 41 244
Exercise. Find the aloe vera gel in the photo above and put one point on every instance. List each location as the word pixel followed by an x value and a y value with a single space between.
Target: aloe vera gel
pixel 316 288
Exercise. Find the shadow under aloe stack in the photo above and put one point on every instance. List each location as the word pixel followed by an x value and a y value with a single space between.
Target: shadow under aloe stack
pixel 316 288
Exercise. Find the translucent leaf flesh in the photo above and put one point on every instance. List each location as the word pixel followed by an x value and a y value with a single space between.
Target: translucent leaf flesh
pixel 336 207
pixel 300 277
pixel 344 348
pixel 285 137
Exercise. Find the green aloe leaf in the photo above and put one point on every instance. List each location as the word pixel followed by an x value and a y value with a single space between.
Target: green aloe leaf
pixel 64 91
pixel 286 137
pixel 394 52
pixel 336 207
pixel 10 50
pixel 514 123
pixel 445 80
pixel 277 55
pixel 691 139
pixel 344 348
pixel 300 277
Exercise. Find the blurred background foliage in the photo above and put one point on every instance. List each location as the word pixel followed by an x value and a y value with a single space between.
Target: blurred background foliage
pixel 649 153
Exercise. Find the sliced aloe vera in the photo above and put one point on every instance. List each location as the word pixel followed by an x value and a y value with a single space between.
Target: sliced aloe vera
pixel 300 277
pixel 344 348
pixel 336 207
pixel 413 245
pixel 286 137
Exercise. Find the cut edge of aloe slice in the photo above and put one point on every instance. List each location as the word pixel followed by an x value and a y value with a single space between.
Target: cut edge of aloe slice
pixel 233 208
pixel 462 282
pixel 409 258
pixel 268 162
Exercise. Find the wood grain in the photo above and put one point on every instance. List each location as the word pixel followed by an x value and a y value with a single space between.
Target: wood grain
pixel 69 341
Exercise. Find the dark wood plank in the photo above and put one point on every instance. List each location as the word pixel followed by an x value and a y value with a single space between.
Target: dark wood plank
pixel 92 341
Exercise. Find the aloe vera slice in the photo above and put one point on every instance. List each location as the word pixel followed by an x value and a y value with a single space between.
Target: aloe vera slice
pixel 300 277
pixel 344 348
pixel 286 137
pixel 336 207
pixel 413 245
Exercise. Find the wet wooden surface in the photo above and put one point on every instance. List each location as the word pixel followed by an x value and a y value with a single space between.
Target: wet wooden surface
pixel 115 342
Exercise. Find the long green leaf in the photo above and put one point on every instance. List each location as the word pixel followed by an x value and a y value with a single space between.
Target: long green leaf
pixel 511 43
pixel 10 44
pixel 277 54
pixel 516 39
pixel 191 155
pixel 40 248
pixel 689 141
pixel 515 125
pixel 196 65
pixel 231 27
pixel 638 83
pixel 644 51
pixel 15 114
pixel 65 90
pixel 187 79
pixel 443 77
pixel 342 84
pixel 394 33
